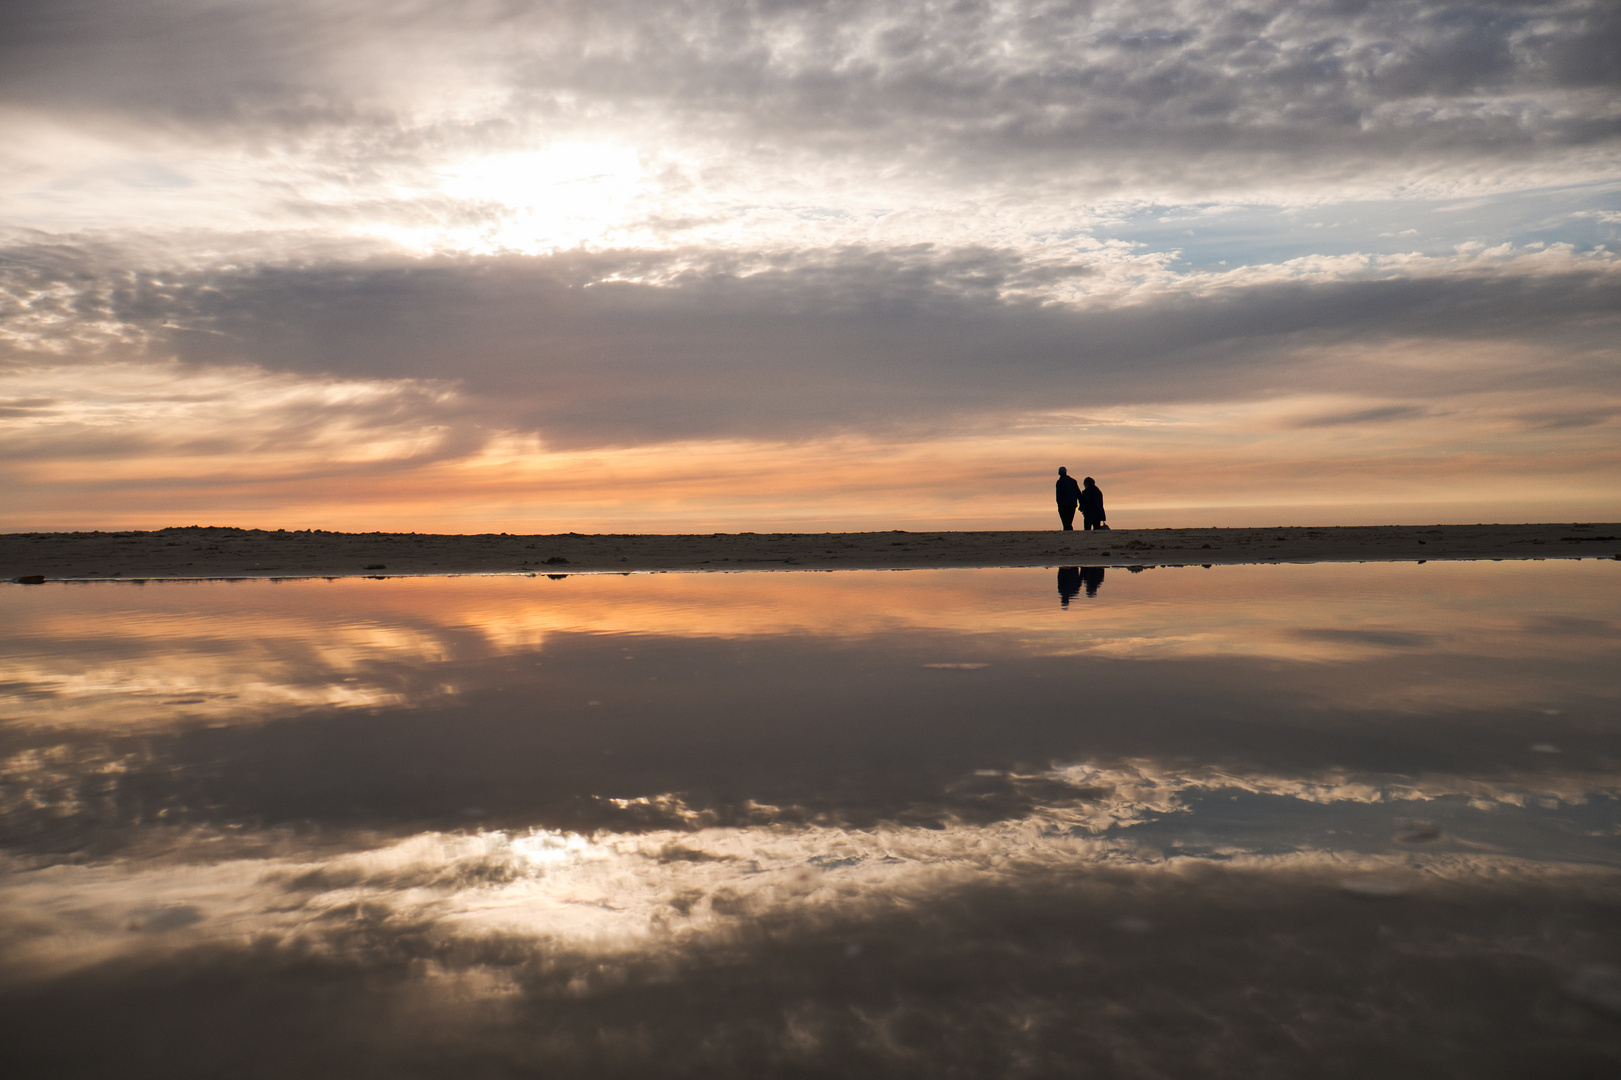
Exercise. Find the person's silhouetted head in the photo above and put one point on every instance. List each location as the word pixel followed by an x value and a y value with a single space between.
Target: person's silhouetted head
pixel 1062 471
pixel 1089 482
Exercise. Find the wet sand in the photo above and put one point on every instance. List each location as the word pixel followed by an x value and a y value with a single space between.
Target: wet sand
pixel 203 552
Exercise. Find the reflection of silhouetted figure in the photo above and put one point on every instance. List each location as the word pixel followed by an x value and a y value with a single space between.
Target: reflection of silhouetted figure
pixel 1091 500
pixel 1069 495
pixel 1069 584
pixel 1071 578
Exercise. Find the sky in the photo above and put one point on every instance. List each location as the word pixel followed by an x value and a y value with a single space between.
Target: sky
pixel 716 265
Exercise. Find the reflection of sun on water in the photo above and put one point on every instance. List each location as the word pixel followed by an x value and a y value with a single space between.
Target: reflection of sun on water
pixel 666 888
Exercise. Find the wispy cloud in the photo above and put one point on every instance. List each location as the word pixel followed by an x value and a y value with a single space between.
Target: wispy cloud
pixel 781 223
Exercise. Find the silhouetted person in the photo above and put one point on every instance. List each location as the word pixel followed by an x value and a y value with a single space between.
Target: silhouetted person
pixel 1069 496
pixel 1091 501
pixel 1092 577
pixel 1069 584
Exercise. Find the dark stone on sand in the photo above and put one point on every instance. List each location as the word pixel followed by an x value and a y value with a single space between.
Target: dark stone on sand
pixel 30 579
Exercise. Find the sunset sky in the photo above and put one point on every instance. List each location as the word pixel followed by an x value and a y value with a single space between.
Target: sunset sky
pixel 717 265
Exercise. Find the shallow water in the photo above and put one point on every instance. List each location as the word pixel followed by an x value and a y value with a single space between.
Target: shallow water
pixel 1240 821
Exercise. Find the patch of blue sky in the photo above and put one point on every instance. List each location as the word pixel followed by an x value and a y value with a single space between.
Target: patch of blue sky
pixel 1213 821
pixel 95 194
pixel 830 213
pixel 1216 236
pixel 143 174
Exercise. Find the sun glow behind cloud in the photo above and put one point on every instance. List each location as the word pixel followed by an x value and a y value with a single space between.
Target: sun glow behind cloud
pixel 433 273
pixel 563 196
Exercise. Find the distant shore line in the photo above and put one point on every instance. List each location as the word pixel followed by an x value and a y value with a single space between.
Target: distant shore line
pixel 219 552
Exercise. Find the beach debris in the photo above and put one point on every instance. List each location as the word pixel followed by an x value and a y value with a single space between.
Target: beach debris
pixel 30 579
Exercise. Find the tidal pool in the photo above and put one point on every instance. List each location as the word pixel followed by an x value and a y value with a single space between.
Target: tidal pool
pixel 1242 821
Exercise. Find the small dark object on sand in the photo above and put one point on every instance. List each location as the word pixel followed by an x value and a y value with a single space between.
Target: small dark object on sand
pixel 30 579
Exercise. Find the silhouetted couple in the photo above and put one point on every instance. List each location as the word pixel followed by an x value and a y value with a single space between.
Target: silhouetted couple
pixel 1072 578
pixel 1088 499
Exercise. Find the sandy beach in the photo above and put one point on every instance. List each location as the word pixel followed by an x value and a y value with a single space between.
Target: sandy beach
pixel 204 552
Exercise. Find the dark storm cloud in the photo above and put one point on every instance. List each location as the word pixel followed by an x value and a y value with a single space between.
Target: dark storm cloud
pixel 1120 92
pixel 793 345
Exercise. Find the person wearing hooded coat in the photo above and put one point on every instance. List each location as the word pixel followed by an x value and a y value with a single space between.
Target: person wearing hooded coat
pixel 1091 503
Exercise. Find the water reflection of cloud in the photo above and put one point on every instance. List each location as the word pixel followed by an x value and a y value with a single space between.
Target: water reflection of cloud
pixel 1125 969
pixel 138 673
pixel 815 817
pixel 1374 638
pixel 684 876
pixel 625 896
pixel 1156 787
pixel 833 943
pixel 221 653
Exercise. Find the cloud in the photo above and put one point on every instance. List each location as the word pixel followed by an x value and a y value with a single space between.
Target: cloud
pixel 267 387
pixel 242 419
pixel 772 224
pixel 660 868
pixel 625 348
pixel 820 951
pixel 67 670
pixel 1099 96
pixel 1378 414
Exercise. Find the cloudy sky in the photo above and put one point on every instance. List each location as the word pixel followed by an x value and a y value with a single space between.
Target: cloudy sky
pixel 506 265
